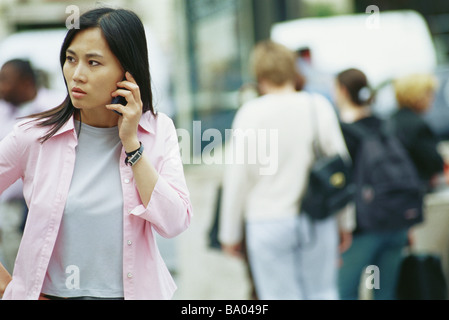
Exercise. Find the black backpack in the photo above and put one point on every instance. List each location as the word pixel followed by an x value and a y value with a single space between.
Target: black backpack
pixel 389 192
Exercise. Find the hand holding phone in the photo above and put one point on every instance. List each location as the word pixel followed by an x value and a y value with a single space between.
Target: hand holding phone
pixel 119 100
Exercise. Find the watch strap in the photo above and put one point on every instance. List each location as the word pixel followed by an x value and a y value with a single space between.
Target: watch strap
pixel 132 157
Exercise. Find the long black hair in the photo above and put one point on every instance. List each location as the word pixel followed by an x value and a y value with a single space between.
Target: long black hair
pixel 125 35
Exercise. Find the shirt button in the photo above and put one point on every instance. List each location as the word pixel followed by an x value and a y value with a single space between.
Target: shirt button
pixel 126 181
pixel 130 275
pixel 130 242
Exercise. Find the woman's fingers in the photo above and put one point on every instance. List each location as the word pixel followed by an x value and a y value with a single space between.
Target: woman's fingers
pixel 131 92
pixel 129 89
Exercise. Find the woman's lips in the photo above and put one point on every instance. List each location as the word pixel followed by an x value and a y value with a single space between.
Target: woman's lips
pixel 78 93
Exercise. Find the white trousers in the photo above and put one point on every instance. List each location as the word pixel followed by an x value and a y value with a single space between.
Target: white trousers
pixel 294 259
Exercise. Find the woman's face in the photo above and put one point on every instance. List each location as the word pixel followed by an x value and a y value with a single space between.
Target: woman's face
pixel 91 71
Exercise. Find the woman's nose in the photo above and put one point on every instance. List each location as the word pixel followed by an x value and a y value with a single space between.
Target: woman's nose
pixel 79 74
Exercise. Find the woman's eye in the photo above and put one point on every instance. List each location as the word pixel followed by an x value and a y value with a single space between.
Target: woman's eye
pixel 94 63
pixel 70 59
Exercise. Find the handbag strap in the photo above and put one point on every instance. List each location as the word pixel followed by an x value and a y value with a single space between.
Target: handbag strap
pixel 316 145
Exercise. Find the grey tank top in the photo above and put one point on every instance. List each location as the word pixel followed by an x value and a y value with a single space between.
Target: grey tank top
pixel 87 258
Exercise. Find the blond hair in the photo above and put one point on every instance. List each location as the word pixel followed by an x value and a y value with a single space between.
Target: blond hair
pixel 412 89
pixel 273 62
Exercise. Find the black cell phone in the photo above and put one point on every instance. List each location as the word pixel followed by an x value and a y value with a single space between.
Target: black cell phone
pixel 119 100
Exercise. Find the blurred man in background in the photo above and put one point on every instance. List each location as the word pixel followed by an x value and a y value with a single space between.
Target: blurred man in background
pixel 21 94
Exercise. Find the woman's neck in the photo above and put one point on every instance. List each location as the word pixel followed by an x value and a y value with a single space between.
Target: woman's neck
pixel 350 112
pixel 270 88
pixel 94 118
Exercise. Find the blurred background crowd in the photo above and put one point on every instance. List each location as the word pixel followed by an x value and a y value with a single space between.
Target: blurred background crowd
pixel 199 59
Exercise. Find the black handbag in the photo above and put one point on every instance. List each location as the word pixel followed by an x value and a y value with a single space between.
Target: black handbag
pixel 330 186
pixel 422 278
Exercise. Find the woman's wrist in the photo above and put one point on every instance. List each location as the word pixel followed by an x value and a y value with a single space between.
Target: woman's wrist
pixel 131 145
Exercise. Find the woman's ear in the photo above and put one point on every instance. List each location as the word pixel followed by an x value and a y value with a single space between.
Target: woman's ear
pixel 343 90
pixel 344 93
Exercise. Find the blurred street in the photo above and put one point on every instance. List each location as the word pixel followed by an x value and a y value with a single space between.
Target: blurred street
pixel 202 273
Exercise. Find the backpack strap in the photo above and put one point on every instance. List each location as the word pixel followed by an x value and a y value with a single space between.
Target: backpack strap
pixel 389 126
pixel 358 130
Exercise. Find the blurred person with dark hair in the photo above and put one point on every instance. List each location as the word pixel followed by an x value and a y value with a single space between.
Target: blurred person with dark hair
pixel 363 248
pixel 100 176
pixel 260 212
pixel 415 94
pixel 18 83
pixel 21 95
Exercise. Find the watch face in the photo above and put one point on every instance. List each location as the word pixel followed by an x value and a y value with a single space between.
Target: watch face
pixel 135 158
pixel 132 159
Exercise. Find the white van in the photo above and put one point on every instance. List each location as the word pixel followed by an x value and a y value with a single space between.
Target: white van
pixel 384 45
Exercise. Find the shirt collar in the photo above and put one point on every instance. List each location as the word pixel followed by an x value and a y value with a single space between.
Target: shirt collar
pixel 148 122
pixel 68 126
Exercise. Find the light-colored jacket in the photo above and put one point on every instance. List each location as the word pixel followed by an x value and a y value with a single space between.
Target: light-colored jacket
pixel 277 155
pixel 46 170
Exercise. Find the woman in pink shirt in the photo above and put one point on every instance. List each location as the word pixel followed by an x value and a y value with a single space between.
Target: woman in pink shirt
pixel 100 175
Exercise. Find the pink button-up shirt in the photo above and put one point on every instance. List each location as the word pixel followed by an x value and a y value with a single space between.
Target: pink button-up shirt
pixel 46 170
